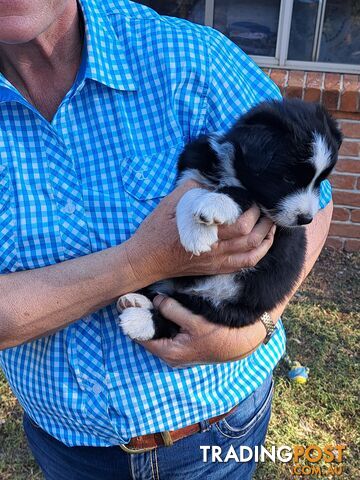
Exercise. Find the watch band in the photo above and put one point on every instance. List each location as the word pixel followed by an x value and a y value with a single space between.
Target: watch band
pixel 269 326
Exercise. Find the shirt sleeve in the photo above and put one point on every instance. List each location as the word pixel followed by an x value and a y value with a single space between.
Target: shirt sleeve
pixel 325 193
pixel 236 85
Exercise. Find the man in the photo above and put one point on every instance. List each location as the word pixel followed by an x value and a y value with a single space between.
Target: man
pixel 97 99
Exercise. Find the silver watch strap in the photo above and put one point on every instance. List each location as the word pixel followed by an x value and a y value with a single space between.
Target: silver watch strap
pixel 269 326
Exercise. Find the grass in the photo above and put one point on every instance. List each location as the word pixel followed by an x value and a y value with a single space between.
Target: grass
pixel 322 328
pixel 322 324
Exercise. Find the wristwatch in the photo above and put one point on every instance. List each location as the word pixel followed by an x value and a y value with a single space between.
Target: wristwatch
pixel 269 326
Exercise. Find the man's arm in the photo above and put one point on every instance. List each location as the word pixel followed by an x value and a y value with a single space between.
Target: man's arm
pixel 39 302
pixel 202 342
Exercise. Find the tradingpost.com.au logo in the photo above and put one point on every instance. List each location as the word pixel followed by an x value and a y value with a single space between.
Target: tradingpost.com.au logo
pixel 304 459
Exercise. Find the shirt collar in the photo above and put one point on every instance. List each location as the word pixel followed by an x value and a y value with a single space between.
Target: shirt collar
pixel 105 53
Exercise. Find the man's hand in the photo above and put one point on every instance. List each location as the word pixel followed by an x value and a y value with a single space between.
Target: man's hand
pixel 155 251
pixel 199 341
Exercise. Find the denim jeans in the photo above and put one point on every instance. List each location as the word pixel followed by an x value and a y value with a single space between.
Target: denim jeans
pixel 246 425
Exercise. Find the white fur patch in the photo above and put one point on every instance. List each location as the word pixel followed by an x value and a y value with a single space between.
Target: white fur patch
pixel 303 202
pixel 133 300
pixel 198 213
pixel 216 208
pixel 306 201
pixel 137 323
pixel 216 288
pixel 321 158
pixel 226 155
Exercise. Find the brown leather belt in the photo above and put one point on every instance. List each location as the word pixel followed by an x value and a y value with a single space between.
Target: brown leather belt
pixel 144 443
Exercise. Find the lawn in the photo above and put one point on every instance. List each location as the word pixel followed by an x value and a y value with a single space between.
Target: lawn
pixel 323 333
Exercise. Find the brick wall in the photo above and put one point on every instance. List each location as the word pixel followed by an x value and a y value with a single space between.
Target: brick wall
pixel 341 95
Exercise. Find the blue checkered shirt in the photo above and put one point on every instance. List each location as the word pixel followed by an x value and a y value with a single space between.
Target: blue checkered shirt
pixel 84 182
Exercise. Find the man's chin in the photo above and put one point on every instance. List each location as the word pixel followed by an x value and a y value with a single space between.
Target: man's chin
pixel 17 30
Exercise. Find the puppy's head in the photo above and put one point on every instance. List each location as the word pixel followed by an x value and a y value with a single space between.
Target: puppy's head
pixel 284 151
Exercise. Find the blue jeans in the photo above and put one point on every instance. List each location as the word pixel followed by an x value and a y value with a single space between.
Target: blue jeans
pixel 247 425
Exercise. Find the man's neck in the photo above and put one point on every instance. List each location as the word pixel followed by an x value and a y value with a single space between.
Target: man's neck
pixel 44 69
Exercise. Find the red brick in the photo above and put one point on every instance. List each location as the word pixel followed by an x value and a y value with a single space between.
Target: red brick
pixel 295 85
pixel 314 80
pixel 331 90
pixel 297 78
pixel 351 82
pixel 350 149
pixel 312 95
pixel 280 78
pixel 350 129
pixel 352 245
pixel 335 243
pixel 352 199
pixel 346 182
pixel 355 216
pixel 349 101
pixel 347 165
pixel 350 94
pixel 332 81
pixel 341 214
pixel 347 230
pixel 358 184
pixel 346 115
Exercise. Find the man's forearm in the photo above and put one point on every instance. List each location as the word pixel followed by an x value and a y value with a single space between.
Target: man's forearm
pixel 39 302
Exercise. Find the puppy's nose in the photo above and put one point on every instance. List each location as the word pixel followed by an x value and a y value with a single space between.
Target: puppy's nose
pixel 304 219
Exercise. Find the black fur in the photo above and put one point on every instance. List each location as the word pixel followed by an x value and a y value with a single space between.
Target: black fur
pixel 272 144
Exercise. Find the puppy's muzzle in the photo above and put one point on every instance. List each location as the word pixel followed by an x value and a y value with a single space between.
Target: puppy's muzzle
pixel 304 219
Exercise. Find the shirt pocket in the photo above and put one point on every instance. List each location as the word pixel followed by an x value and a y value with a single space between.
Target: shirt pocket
pixel 147 179
pixel 8 247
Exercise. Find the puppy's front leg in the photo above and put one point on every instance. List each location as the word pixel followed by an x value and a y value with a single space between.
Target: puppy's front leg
pixel 140 321
pixel 136 316
pixel 198 214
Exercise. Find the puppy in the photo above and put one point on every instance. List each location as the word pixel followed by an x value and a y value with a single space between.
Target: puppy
pixel 276 156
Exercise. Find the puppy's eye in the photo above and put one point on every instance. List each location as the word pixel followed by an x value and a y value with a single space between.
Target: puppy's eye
pixel 289 180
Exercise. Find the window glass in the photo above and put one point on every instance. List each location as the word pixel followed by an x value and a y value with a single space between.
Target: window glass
pixel 302 33
pixel 253 25
pixel 340 40
pixel 193 10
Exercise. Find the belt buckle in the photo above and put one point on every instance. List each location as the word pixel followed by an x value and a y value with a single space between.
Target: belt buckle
pixel 168 442
pixel 135 450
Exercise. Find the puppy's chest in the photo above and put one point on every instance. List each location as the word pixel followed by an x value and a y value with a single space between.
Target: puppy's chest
pixel 215 289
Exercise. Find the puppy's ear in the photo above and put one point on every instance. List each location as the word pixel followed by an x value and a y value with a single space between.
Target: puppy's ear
pixel 331 124
pixel 257 148
pixel 269 115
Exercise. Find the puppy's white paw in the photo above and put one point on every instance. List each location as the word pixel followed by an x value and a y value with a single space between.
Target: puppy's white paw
pixel 133 300
pixel 198 213
pixel 199 238
pixel 137 323
pixel 216 209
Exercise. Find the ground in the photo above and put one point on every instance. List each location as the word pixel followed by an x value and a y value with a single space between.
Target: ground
pixel 323 334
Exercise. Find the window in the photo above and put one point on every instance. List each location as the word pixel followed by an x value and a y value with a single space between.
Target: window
pixel 193 10
pixel 252 25
pixel 300 34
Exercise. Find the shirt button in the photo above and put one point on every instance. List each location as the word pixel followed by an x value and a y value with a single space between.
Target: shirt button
pixel 69 208
pixel 140 175
pixel 97 389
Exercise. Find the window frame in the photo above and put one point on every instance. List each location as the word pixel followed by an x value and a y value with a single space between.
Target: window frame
pixel 280 59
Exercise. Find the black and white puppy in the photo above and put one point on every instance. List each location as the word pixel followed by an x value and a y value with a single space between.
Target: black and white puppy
pixel 276 156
